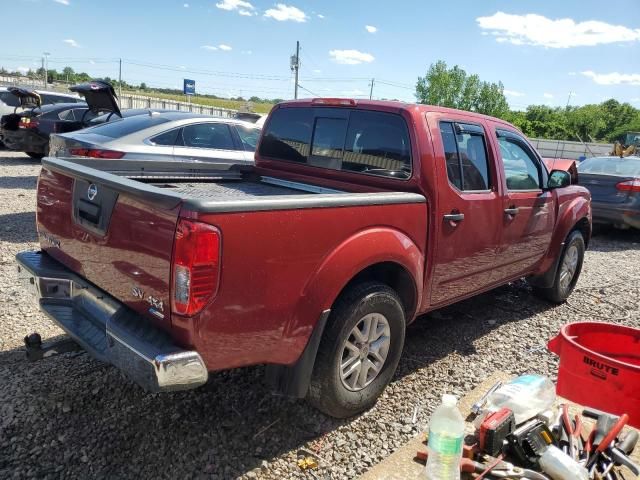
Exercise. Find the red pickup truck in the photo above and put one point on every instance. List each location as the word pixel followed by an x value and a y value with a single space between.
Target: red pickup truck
pixel 358 217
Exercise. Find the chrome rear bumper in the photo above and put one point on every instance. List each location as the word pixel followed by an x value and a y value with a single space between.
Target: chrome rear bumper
pixel 107 329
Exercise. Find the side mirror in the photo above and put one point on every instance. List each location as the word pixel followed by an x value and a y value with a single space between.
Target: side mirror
pixel 558 179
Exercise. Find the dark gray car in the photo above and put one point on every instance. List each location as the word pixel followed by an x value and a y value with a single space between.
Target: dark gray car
pixel 163 136
pixel 614 184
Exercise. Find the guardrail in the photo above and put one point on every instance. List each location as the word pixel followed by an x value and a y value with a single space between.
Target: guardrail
pixel 572 150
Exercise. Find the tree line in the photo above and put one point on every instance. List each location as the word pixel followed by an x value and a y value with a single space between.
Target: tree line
pixel 455 88
pixel 70 76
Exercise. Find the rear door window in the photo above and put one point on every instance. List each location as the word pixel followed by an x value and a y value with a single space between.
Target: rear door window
pixel 208 135
pixel 340 139
pixel 166 138
pixel 466 156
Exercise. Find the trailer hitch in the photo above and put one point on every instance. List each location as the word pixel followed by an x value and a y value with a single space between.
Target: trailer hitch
pixel 35 351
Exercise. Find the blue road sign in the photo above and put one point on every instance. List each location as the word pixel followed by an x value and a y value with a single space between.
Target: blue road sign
pixel 189 87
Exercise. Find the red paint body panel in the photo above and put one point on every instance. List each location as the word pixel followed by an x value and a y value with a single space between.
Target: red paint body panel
pixel 135 253
pixel 280 269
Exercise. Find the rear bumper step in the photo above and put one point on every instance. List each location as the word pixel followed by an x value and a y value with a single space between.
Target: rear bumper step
pixel 107 329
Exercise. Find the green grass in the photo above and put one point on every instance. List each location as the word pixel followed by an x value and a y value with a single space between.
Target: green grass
pixel 211 102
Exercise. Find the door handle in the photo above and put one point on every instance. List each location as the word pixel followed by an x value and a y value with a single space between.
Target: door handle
pixel 454 217
pixel 511 211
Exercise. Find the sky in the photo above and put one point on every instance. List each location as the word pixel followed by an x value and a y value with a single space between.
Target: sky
pixel 543 51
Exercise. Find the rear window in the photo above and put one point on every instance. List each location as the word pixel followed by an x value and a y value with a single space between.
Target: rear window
pixel 350 140
pixel 623 167
pixel 126 126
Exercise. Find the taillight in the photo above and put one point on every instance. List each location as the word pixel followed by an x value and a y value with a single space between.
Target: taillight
pixel 26 122
pixel 196 266
pixel 631 186
pixel 95 153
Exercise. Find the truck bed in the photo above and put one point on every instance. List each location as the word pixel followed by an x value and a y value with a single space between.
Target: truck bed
pixel 248 193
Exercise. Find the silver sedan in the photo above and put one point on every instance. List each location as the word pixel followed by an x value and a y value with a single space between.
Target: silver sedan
pixel 163 136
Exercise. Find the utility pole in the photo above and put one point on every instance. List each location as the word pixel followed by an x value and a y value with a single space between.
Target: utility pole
pixel 295 66
pixel 120 80
pixel 45 56
pixel 44 77
pixel 371 91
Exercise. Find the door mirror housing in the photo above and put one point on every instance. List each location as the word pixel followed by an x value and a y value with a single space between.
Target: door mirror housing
pixel 558 179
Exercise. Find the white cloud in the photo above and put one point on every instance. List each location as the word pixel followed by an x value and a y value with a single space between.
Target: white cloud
pixel 636 100
pixel 317 71
pixel 513 93
pixel 186 5
pixel 92 62
pixel 320 16
pixel 532 29
pixel 283 13
pixel 246 52
pixel 224 47
pixel 371 28
pixel 22 69
pixel 547 95
pixel 71 42
pixel 613 78
pixel 62 2
pixel 241 6
pixel 350 57
pixel 209 47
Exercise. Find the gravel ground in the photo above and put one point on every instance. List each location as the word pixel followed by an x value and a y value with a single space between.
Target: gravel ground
pixel 73 417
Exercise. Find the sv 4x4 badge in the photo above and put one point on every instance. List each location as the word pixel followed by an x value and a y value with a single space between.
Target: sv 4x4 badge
pixel 157 306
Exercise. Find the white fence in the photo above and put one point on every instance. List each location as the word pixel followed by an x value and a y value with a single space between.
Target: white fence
pixel 139 101
pixel 573 150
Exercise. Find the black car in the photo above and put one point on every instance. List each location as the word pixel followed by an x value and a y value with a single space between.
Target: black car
pixel 29 130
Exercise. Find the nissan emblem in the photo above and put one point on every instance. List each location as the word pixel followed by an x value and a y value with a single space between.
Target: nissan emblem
pixel 92 191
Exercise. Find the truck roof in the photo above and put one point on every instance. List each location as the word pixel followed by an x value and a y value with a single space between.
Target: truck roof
pixel 386 105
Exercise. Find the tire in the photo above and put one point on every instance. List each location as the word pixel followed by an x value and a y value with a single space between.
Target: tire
pixel 379 305
pixel 35 156
pixel 571 258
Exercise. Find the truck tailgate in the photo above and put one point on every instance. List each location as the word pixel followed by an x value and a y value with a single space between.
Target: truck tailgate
pixel 118 240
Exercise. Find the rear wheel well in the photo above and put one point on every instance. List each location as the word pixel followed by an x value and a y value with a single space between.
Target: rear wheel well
pixel 584 227
pixel 396 277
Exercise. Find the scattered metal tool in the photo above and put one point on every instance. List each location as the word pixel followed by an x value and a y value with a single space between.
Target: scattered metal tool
pixel 477 407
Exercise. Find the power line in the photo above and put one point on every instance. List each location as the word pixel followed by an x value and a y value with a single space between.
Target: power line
pixel 308 91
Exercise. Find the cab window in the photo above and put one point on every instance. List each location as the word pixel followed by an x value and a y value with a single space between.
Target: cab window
pixel 375 143
pixel 466 156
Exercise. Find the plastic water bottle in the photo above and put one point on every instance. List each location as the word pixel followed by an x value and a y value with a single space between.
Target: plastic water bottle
pixel 526 396
pixel 446 434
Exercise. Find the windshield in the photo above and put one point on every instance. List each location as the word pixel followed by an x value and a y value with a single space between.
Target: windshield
pixel 126 126
pixel 621 167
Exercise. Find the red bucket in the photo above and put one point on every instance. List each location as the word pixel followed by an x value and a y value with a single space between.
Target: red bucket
pixel 600 367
